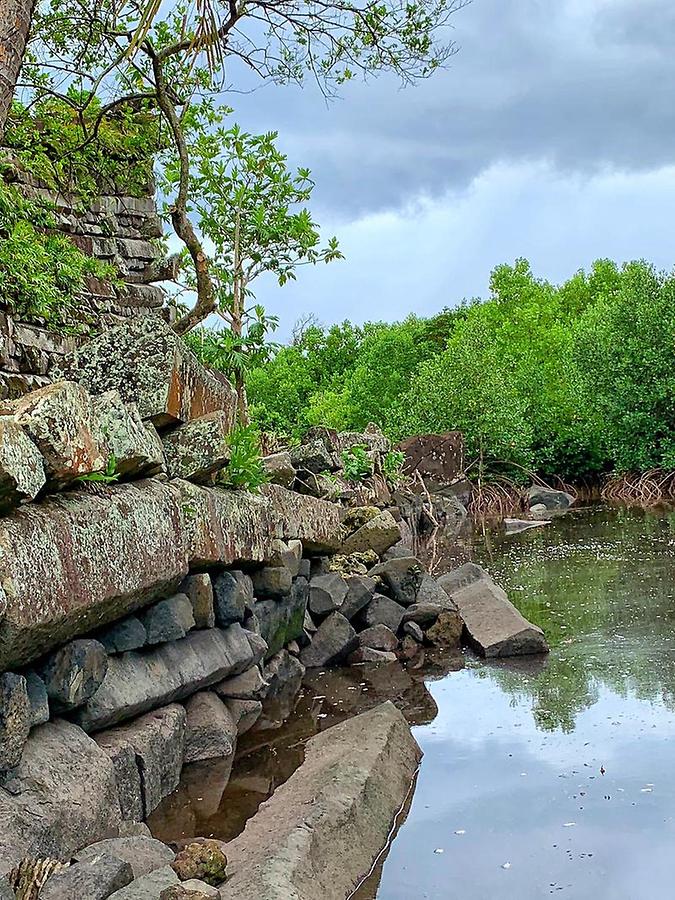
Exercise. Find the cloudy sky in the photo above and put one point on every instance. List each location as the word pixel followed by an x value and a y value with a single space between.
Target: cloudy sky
pixel 550 136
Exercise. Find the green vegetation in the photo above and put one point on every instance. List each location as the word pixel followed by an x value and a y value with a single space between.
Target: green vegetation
pixel 575 380
pixel 41 272
pixel 356 464
pixel 245 468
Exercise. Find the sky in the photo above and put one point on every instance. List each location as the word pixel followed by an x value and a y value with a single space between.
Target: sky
pixel 550 136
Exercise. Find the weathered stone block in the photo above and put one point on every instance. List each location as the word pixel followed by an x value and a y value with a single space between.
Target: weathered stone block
pixel 280 469
pixel 287 555
pixel 158 740
pixel 15 719
pixel 282 621
pixel 68 796
pixel 60 419
pixel 143 853
pixel 232 597
pixel 137 682
pixel 74 673
pixel 168 620
pixel 147 887
pixel 211 732
pixel 245 713
pixel 310 840
pixel 197 450
pixel 250 685
pixel 79 561
pixel 378 534
pixel 327 593
pixel 38 699
pixel 370 656
pixel 313 457
pixel 128 634
pixel 204 859
pixel 199 590
pixel 402 578
pixel 150 365
pixel 360 590
pixel 137 449
pixel 93 880
pixel 439 458
pixel 272 581
pixel 378 637
pixel 334 640
pixel 383 611
pixel 22 474
pixel 127 774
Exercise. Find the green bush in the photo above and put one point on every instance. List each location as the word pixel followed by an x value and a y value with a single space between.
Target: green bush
pixel 245 469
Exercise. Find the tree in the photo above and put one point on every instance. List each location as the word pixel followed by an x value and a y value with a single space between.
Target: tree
pixel 248 207
pixel 15 19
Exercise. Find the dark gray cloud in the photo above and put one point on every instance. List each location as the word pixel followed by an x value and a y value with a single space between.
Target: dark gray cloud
pixel 582 84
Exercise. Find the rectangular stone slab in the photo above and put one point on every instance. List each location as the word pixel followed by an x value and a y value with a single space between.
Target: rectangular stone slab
pixel 493 625
pixel 320 832
pixel 138 682
pixel 81 560
pixel 150 365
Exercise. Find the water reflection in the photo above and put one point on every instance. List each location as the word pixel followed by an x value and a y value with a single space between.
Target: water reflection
pixel 601 583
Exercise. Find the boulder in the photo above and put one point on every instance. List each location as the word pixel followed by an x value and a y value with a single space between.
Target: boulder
pixel 122 755
pixel 38 699
pixel 378 534
pixel 383 611
pixel 360 590
pixel 128 634
pixel 311 840
pixel 144 854
pixel 327 593
pixel 245 713
pixel 368 655
pixel 283 674
pixel 334 640
pixel 378 637
pixel 554 501
pixel 282 621
pixel 95 879
pixel 232 596
pixel 438 458
pixel 158 741
pixel 423 614
pixel 148 887
pixel 372 439
pixel 205 860
pixel 431 592
pixel 401 578
pixel 199 590
pixel 136 448
pixel 258 646
pixel 287 555
pixel 60 419
pixel 74 673
pixel 150 365
pixel 492 624
pixel 414 630
pixel 67 796
pixel 250 685
pixel 211 731
pixel 138 682
pixel 15 719
pixel 280 469
pixel 313 457
pixel 272 581
pixel 168 620
pixel 540 513
pixel 22 473
pixel 198 449
pixel 445 632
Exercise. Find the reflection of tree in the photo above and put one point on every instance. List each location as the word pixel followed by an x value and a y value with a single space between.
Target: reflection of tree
pixel 601 583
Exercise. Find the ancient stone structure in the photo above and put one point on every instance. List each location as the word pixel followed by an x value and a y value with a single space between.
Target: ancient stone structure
pixel 150 615
pixel 117 229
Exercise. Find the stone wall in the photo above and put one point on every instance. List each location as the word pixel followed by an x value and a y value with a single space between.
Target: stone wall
pixel 150 615
pixel 121 230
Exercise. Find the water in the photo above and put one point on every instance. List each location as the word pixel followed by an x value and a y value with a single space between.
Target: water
pixel 540 777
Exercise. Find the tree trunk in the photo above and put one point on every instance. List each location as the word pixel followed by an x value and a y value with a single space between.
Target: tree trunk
pixel 15 19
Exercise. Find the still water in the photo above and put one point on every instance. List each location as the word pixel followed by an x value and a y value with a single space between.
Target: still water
pixel 546 777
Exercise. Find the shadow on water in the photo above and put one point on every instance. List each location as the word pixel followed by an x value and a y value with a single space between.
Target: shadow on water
pixel 540 776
